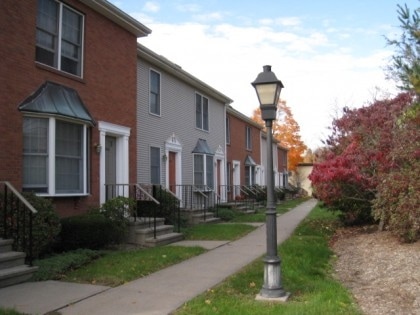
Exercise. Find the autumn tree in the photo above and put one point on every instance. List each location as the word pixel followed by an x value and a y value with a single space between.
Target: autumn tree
pixel 286 132
pixel 405 65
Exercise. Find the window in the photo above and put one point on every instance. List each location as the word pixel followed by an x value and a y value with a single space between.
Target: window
pixel 227 130
pixel 203 171
pixel 201 112
pixel 248 139
pixel 54 156
pixel 249 175
pixel 59 36
pixel 155 165
pixel 154 96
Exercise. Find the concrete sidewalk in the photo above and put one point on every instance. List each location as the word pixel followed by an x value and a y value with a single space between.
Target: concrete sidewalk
pixel 159 293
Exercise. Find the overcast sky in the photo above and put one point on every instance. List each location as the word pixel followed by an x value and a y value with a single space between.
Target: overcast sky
pixel 327 53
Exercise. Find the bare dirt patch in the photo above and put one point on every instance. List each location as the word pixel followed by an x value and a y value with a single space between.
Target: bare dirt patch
pixel 382 274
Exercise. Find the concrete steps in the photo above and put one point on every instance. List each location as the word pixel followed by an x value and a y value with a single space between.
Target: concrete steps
pixel 141 232
pixel 197 216
pixel 12 265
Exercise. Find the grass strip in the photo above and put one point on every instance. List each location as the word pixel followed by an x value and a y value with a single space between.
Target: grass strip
pixel 119 267
pixel 217 232
pixel 306 273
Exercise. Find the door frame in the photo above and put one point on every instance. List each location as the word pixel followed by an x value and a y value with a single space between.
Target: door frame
pixel 172 144
pixel 122 135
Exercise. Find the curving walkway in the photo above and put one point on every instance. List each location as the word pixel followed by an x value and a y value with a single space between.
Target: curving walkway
pixel 159 293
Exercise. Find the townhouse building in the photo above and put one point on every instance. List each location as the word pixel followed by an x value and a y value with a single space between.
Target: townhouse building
pixel 68 108
pixel 243 145
pixel 180 130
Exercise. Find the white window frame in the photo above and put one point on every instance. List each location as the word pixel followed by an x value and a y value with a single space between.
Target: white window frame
pixel 205 172
pixel 59 38
pixel 160 164
pixel 51 159
pixel 204 116
pixel 159 108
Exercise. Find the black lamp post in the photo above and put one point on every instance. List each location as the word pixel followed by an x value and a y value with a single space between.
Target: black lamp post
pixel 268 89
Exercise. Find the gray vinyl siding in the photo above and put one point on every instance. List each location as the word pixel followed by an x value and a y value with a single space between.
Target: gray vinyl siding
pixel 177 117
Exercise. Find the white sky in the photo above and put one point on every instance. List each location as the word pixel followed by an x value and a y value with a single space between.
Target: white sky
pixel 327 53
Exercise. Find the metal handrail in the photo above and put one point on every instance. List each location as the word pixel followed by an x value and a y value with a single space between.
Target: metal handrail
pixel 19 195
pixel 147 194
pixel 28 249
pixel 200 192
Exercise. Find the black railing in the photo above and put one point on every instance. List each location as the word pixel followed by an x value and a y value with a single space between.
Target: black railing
pixel 151 202
pixel 197 197
pixel 17 219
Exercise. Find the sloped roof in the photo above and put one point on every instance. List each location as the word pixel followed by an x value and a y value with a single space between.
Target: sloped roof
pixel 158 60
pixel 57 100
pixel 202 147
pixel 249 161
pixel 118 16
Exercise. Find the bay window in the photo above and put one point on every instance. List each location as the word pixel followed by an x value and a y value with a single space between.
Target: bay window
pixel 54 156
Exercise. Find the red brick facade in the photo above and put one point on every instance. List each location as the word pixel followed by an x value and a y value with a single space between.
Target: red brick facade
pixel 108 87
pixel 236 148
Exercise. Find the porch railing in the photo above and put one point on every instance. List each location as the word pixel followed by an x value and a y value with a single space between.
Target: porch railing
pixel 151 202
pixel 17 216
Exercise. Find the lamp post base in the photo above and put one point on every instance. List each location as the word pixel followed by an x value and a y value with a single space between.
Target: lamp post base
pixel 272 287
pixel 282 299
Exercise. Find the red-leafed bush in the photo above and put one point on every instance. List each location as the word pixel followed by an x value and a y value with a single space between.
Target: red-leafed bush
pixel 397 204
pixel 357 158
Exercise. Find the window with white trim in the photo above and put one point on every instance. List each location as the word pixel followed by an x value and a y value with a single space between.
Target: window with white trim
pixel 249 175
pixel 154 92
pixel 203 171
pixel 201 112
pixel 59 36
pixel 54 156
pixel 155 165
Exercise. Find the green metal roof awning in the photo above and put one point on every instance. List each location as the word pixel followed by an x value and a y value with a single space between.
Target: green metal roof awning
pixel 202 147
pixel 57 100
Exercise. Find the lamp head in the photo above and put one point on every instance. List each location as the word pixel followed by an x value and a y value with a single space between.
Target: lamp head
pixel 268 89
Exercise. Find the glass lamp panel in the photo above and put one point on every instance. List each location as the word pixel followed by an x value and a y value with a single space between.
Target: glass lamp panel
pixel 266 93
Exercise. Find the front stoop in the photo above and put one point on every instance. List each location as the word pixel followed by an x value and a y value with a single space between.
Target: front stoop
pixel 197 216
pixel 141 232
pixel 12 265
pixel 241 206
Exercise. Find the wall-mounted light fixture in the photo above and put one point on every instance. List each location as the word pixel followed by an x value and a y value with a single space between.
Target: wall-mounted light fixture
pixel 98 148
pixel 164 158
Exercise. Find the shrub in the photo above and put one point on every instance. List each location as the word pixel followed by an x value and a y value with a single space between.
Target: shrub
pixel 54 267
pixel 397 204
pixel 167 208
pixel 92 231
pixel 100 227
pixel 281 194
pixel 46 226
pixel 227 214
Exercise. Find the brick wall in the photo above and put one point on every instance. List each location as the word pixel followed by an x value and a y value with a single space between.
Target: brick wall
pixel 108 87
pixel 236 150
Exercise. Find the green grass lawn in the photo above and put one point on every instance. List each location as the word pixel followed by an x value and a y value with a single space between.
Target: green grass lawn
pixel 306 270
pixel 306 273
pixel 114 268
pixel 259 216
pixel 216 232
